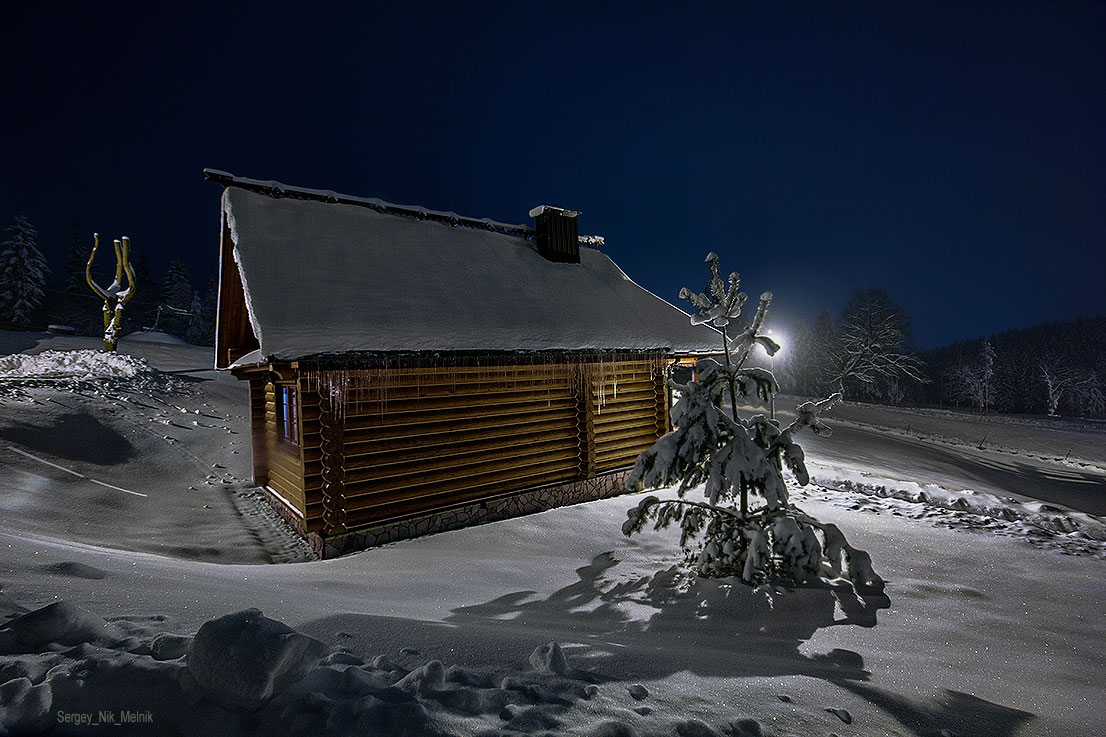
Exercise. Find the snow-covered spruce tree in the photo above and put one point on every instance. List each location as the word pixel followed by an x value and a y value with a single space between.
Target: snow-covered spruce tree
pixel 733 457
pixel 74 264
pixel 176 288
pixel 23 273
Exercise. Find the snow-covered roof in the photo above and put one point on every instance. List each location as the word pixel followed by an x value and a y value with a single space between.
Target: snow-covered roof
pixel 332 276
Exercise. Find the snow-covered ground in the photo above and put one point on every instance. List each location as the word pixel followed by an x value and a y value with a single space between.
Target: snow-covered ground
pixel 112 451
pixel 991 624
pixel 1074 441
pixel 1057 460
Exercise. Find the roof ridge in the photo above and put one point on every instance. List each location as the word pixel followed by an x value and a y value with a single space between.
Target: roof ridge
pixel 276 189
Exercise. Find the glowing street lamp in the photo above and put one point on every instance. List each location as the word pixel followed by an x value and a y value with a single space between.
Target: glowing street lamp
pixel 780 338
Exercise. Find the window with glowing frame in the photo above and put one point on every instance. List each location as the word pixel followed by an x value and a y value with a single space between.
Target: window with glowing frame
pixel 287 415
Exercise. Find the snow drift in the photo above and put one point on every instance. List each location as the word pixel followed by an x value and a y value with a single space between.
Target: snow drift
pixel 79 370
pixel 68 671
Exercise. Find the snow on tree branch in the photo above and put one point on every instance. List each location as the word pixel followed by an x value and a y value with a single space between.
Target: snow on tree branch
pixel 23 273
pixel 869 345
pixel 733 457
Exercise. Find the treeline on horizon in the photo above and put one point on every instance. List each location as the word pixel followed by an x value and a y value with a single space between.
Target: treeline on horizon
pixel 170 304
pixel 1054 368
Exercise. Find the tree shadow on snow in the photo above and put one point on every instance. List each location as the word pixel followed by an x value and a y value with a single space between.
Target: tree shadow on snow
pixel 620 628
pixel 75 437
pixel 652 626
pixel 953 712
pixel 646 627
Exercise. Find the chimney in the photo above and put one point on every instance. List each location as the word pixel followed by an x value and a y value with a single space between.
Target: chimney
pixel 558 236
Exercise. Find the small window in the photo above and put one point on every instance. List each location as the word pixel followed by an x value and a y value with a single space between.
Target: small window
pixel 287 412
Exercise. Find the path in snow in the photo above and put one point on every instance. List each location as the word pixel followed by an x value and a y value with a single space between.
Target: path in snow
pixel 112 461
pixel 1002 474
pixel 1079 441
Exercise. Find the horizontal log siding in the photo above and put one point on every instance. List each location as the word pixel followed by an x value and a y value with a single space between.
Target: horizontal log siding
pixel 421 439
pixel 628 405
pixel 285 464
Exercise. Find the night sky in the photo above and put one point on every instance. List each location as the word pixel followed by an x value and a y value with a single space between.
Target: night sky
pixel 952 153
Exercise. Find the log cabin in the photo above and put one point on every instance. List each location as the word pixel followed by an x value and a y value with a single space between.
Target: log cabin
pixel 413 371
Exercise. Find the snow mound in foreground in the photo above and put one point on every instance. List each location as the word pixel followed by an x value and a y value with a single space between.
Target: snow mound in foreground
pixel 83 370
pixel 246 674
pixel 243 658
pixel 85 364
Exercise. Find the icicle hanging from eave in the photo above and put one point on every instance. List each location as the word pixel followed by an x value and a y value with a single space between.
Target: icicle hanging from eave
pixel 368 387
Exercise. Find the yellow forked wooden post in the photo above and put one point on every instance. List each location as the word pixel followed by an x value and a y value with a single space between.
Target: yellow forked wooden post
pixel 115 296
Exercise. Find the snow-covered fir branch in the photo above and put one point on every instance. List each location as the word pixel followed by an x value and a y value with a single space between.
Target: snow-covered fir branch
pixel 23 272
pixel 732 457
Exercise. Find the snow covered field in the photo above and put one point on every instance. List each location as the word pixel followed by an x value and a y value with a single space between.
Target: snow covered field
pixel 991 624
pixel 1070 440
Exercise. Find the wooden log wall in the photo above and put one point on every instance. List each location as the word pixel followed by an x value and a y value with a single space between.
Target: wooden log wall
pixel 631 412
pixel 421 439
pixel 284 463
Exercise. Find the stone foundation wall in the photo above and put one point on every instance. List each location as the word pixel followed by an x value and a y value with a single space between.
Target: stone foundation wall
pixel 489 510
pixel 286 514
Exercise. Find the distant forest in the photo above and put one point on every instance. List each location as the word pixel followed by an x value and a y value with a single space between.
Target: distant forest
pixel 1055 368
pixel 1052 368
pixel 170 303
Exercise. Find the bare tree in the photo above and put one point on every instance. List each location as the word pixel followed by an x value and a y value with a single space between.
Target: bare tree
pixel 1089 395
pixel 1057 378
pixel 1060 378
pixel 974 379
pixel 869 345
pixel 115 296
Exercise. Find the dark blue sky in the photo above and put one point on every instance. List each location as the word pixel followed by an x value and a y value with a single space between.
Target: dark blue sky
pixel 952 153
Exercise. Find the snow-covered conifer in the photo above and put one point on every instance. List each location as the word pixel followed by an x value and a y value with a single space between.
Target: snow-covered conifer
pixel 732 457
pixel 75 260
pixel 196 331
pixel 23 273
pixel 1089 395
pixel 177 290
